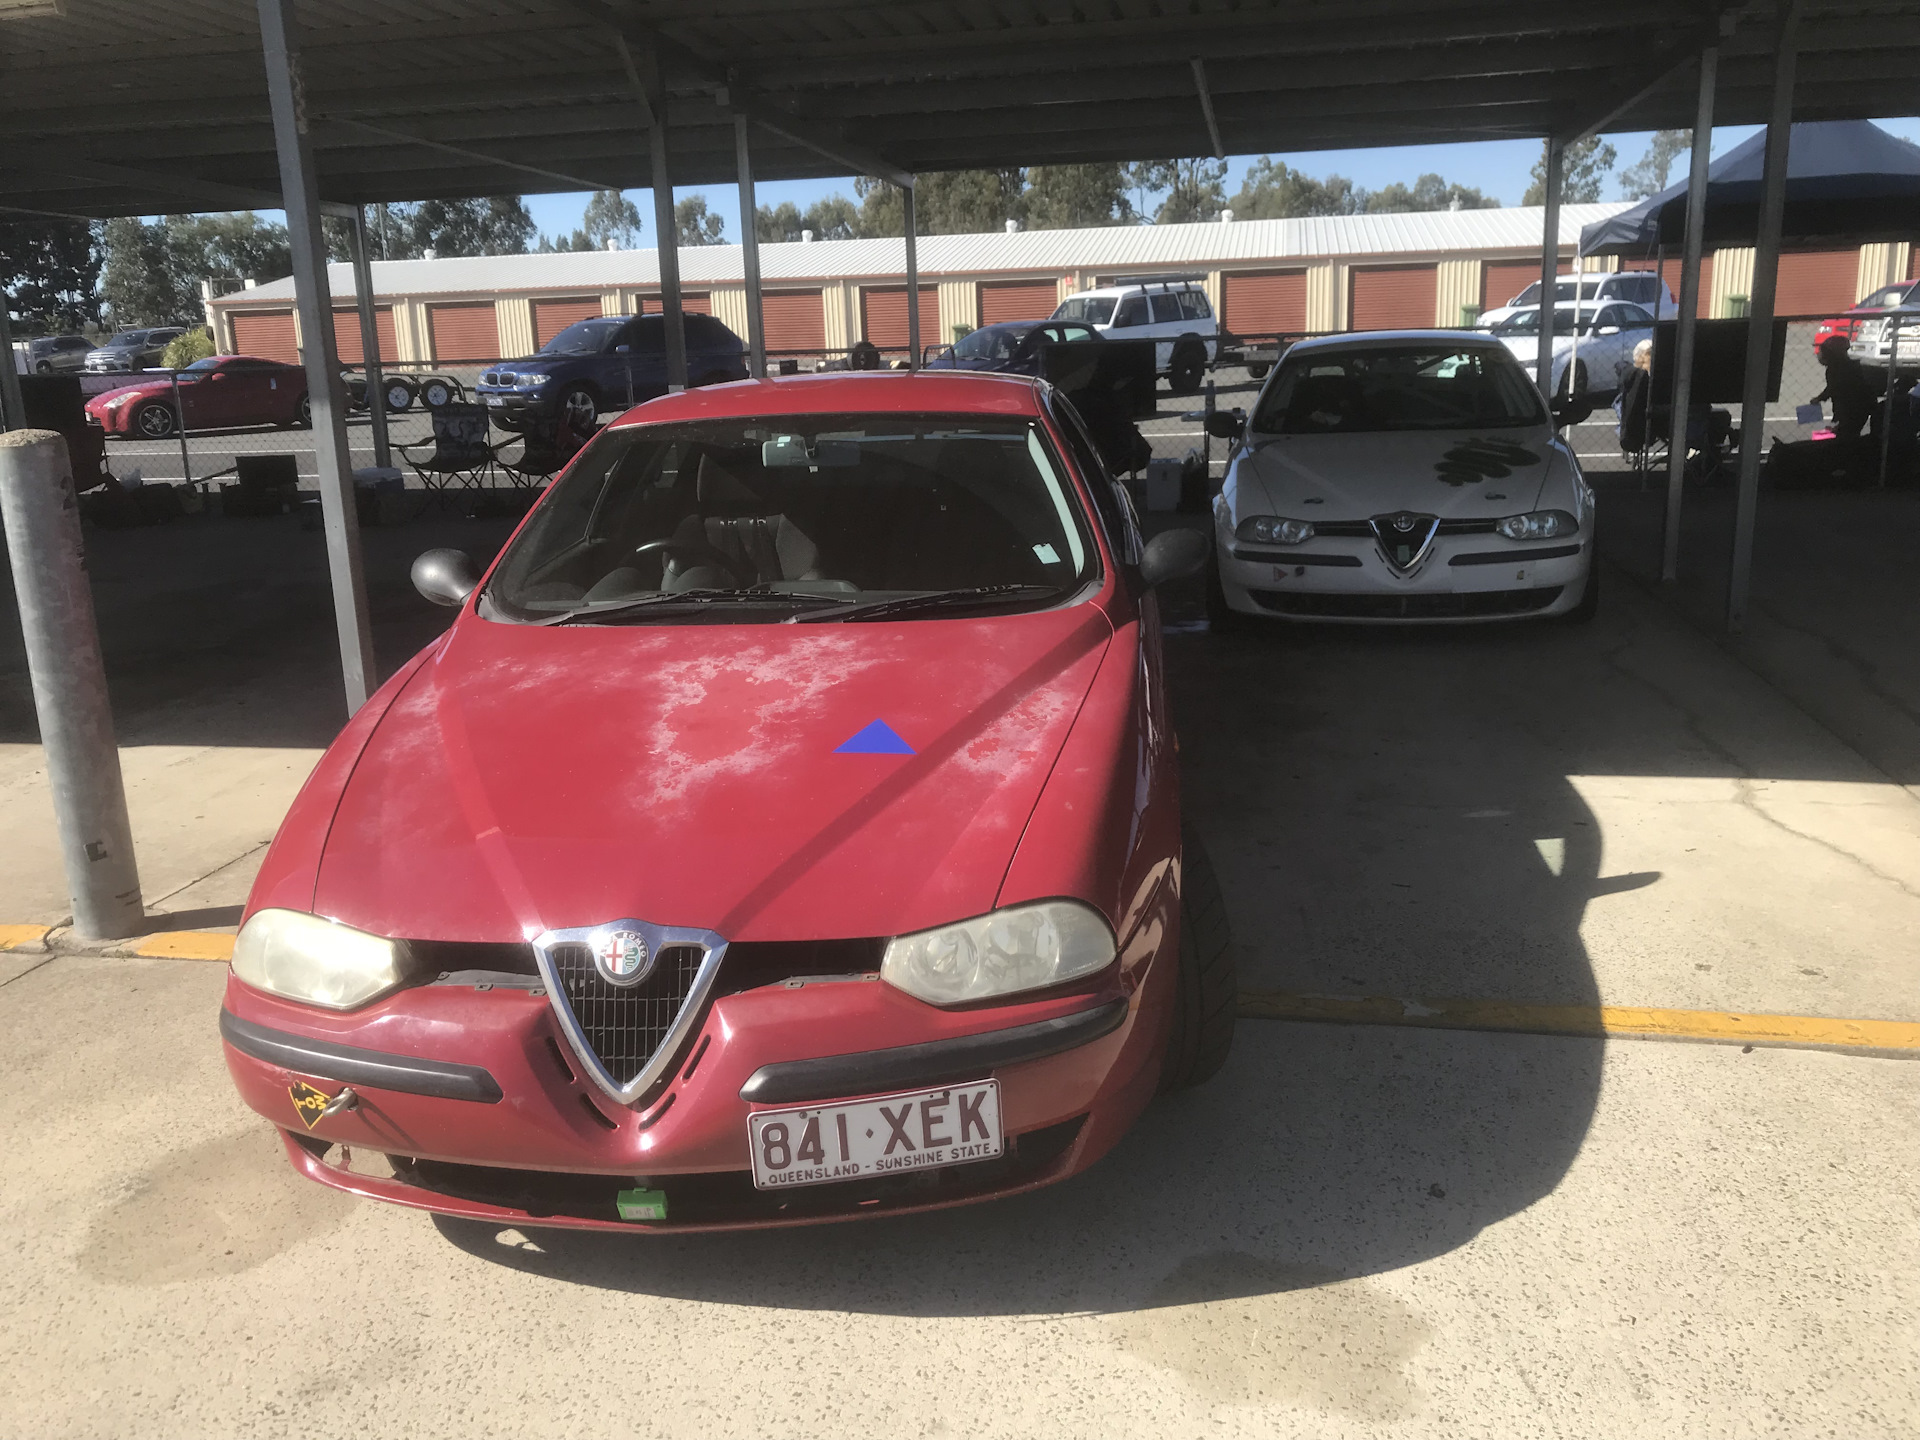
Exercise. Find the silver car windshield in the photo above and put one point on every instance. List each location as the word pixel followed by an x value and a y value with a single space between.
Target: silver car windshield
pixel 1088 309
pixel 1402 387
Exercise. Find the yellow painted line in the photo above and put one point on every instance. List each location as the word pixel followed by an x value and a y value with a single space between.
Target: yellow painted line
pixel 1593 1021
pixel 184 945
pixel 19 937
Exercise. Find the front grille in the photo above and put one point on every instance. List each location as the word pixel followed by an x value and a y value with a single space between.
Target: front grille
pixel 625 1024
pixel 1408 607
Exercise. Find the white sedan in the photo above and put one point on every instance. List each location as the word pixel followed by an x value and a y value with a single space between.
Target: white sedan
pixel 1401 477
pixel 1608 334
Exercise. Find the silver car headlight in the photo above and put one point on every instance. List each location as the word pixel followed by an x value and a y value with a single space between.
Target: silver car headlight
pixel 1538 525
pixel 1027 947
pixel 303 957
pixel 1273 530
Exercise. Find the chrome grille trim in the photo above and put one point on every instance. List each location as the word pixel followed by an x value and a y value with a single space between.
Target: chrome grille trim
pixel 575 985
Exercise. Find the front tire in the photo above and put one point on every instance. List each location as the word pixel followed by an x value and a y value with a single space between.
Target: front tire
pixel 1222 618
pixel 399 396
pixel 45 367
pixel 437 392
pixel 303 413
pixel 1207 991
pixel 1187 364
pixel 155 420
pixel 1589 605
pixel 580 407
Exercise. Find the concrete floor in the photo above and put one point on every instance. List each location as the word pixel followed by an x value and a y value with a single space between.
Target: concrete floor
pixel 1352 1232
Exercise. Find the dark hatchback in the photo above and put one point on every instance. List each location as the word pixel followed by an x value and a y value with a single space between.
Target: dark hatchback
pixel 1010 348
pixel 604 365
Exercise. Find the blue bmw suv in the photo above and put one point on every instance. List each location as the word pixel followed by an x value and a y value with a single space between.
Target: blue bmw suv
pixel 601 366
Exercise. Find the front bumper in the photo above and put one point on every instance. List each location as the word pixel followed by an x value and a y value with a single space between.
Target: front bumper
pixel 514 408
pixel 484 1112
pixel 1466 578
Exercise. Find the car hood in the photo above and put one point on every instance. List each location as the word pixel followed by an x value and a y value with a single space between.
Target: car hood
pixel 533 778
pixel 1452 474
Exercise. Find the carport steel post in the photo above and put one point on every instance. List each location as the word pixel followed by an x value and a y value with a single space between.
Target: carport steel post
pixel 280 47
pixel 69 682
pixel 1549 268
pixel 12 414
pixel 1679 426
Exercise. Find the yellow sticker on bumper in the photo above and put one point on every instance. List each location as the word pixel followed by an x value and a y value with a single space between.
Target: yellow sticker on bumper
pixel 308 1103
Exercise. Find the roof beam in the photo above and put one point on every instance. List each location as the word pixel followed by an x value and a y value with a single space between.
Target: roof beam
pixel 682 63
pixel 475 155
pixel 1206 107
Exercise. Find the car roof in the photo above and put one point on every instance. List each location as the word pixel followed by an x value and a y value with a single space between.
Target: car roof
pixel 1363 339
pixel 1134 287
pixel 845 392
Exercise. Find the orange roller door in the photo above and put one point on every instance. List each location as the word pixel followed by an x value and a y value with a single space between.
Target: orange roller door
pixel 463 333
pixel 1913 261
pixel 346 334
pixel 696 304
pixel 550 317
pixel 794 320
pixel 1392 297
pixel 1010 300
pixel 1273 302
pixel 268 335
pixel 1501 280
pixel 1817 282
pixel 883 316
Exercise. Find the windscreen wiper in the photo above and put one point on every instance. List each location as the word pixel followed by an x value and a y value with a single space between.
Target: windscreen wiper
pixel 977 595
pixel 591 614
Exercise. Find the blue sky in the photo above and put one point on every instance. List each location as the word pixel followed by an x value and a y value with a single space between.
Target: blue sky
pixel 1499 168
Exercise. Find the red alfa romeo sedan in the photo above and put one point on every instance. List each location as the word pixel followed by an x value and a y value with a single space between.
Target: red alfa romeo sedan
pixel 786 829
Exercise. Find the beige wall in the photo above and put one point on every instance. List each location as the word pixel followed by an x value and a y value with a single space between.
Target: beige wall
pixel 513 318
pixel 1732 275
pixel 1457 286
pixel 841 299
pixel 959 305
pixel 730 308
pixel 1881 264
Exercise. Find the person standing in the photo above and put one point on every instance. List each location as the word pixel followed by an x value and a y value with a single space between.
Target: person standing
pixel 1847 389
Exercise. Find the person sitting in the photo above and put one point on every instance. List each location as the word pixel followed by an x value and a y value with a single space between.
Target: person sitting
pixel 1847 388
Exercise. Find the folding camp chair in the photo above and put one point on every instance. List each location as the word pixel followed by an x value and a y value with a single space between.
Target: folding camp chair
pixel 461 454
pixel 545 448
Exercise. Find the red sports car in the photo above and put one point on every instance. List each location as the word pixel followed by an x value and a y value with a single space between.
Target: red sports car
pixel 787 829
pixel 217 393
pixel 1886 298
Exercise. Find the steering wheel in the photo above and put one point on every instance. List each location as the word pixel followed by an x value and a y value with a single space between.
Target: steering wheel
pixel 696 550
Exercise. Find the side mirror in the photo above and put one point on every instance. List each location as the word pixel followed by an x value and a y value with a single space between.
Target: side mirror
pixel 1173 555
pixel 1568 411
pixel 446 577
pixel 1225 425
pixel 1608 330
pixel 622 349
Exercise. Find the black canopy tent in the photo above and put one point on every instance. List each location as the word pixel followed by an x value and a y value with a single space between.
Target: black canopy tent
pixel 1847 180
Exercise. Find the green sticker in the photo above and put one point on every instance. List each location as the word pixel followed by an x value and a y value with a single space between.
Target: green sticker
pixel 642 1204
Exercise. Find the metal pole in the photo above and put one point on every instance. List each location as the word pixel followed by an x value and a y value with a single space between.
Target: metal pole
pixel 913 282
pixel 1550 268
pixel 750 252
pixel 1644 464
pixel 69 682
pixel 13 413
pixel 370 339
pixel 1766 265
pixel 1687 321
pixel 180 428
pixel 666 231
pixel 280 47
pixel 1886 411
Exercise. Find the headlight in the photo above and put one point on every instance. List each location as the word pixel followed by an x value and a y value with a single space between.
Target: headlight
pixel 1026 948
pixel 305 958
pixel 1539 525
pixel 528 382
pixel 117 401
pixel 1272 530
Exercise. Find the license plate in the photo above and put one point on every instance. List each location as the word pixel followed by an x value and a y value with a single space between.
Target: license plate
pixel 916 1130
pixel 496 400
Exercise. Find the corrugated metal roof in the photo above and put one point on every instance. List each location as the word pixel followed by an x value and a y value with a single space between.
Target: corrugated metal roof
pixel 1047 251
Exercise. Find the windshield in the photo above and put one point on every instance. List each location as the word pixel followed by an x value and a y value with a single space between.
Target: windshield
pixel 202 366
pixel 1563 290
pixel 1527 322
pixel 1089 309
pixel 128 340
pixel 583 337
pixel 1350 392
pixel 792 513
pixel 991 344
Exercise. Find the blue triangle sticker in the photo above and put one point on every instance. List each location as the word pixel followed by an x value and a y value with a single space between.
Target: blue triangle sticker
pixel 879 738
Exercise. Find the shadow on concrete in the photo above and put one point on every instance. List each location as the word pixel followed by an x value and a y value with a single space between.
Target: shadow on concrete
pixel 1386 821
pixel 221 631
